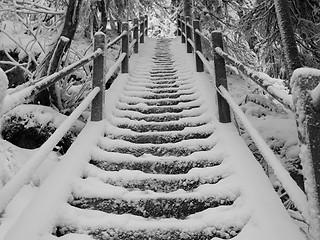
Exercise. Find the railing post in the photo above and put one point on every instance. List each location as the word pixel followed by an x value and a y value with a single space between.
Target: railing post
pixel 198 45
pixel 307 109
pixel 188 5
pixel 136 35
pixel 98 79
pixel 142 22
pixel 221 77
pixel 125 49
pixel 179 25
pixel 146 25
pixel 189 34
pixel 183 28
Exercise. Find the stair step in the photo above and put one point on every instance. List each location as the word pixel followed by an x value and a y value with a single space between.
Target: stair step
pixel 163 185
pixel 163 118
pixel 178 208
pixel 160 138
pixel 170 96
pixel 169 102
pixel 158 110
pixel 114 162
pixel 158 150
pixel 159 128
pixel 209 233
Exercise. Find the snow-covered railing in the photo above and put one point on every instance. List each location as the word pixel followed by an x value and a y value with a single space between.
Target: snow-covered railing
pixel 305 84
pixel 266 82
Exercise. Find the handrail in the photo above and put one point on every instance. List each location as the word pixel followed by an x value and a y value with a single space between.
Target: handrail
pixel 191 42
pixel 294 191
pixel 202 35
pixel 115 66
pixel 117 39
pixel 132 43
pixel 25 95
pixel 24 175
pixel 264 82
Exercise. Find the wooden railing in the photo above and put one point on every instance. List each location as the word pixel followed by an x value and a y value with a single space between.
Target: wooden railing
pixel 95 98
pixel 306 104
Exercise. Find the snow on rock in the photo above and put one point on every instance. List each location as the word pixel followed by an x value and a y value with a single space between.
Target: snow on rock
pixel 33 115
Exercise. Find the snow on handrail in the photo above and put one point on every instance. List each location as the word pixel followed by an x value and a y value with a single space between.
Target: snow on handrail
pixel 293 190
pixel 25 95
pixel 24 175
pixel 204 37
pixel 117 39
pixel 132 44
pixel 262 79
pixel 191 43
pixel 114 67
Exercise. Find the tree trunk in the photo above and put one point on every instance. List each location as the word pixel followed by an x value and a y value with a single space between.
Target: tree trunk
pixel 104 14
pixel 51 62
pixel 287 35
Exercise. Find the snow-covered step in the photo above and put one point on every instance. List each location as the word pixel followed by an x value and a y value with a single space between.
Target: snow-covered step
pixel 159 182
pixel 224 222
pixel 168 117
pixel 173 136
pixel 114 161
pixel 92 193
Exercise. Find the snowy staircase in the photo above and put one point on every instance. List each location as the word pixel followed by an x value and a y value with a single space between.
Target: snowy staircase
pixel 156 165
pixel 161 170
pixel 165 168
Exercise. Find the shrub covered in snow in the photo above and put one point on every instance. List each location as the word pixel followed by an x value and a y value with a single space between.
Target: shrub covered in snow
pixel 29 126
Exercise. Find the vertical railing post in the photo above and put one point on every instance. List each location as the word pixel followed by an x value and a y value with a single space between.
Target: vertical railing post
pixel 307 107
pixel 198 45
pixel 136 35
pixel 221 77
pixel 179 25
pixel 188 5
pixel 146 25
pixel 142 22
pixel 125 49
pixel 189 34
pixel 183 28
pixel 98 78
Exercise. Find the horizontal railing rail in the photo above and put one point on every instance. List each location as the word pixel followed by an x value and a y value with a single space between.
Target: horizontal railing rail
pixel 263 80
